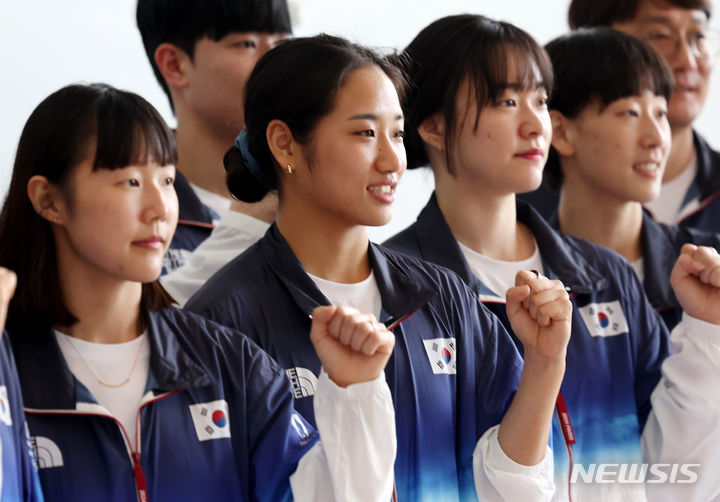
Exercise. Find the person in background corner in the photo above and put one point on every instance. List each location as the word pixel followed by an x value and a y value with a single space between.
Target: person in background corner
pixel 202 54
pixel 129 398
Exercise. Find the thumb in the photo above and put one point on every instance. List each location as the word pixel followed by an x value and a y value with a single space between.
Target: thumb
pixel 321 316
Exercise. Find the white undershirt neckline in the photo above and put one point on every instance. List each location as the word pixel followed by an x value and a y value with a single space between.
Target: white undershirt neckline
pixel 499 275
pixel 668 207
pixel 111 362
pixel 363 296
pixel 639 268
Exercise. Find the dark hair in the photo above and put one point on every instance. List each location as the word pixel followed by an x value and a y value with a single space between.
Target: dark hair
pixel 295 82
pixel 452 50
pixel 588 13
pixel 184 22
pixel 122 129
pixel 603 65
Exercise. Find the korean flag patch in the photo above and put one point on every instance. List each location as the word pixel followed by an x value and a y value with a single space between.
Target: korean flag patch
pixel 442 355
pixel 604 319
pixel 211 420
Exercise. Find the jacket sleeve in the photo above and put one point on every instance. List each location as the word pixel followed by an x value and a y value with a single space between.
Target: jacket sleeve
pixel 684 425
pixel 355 458
pixel 498 477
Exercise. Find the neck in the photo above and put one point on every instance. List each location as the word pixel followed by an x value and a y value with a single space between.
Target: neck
pixel 601 219
pixel 682 153
pixel 483 221
pixel 332 250
pixel 107 308
pixel 200 153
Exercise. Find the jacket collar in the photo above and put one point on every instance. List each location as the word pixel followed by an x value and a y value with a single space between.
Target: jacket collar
pixel 399 293
pixel 707 181
pixel 48 383
pixel 438 245
pixel 658 260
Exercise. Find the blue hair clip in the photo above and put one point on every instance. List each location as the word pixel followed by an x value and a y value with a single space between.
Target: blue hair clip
pixel 241 143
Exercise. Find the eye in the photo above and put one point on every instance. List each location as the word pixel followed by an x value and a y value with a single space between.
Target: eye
pixel 543 101
pixel 657 36
pixel 510 102
pixel 662 113
pixel 133 182
pixel 400 135
pixel 246 44
pixel 169 180
pixel 368 133
pixel 630 113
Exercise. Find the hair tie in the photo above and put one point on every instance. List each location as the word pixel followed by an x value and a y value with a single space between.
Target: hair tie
pixel 241 143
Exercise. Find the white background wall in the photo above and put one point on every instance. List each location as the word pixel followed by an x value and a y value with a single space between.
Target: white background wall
pixel 46 44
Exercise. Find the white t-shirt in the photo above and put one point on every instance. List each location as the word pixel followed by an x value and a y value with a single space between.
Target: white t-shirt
pixel 231 236
pixel 667 208
pixel 112 363
pixel 363 296
pixel 638 267
pixel 499 275
pixel 216 202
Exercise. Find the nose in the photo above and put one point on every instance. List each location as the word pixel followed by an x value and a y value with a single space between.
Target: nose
pixel 683 57
pixel 656 133
pixel 160 202
pixel 535 122
pixel 391 155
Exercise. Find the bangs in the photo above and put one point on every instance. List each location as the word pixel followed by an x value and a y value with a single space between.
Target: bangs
pixel 606 65
pixel 228 16
pixel 131 132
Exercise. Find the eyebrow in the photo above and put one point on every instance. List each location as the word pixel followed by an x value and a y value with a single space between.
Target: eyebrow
pixel 519 86
pixel 697 18
pixel 371 116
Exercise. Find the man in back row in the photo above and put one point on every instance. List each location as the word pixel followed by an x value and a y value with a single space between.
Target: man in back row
pixel 202 54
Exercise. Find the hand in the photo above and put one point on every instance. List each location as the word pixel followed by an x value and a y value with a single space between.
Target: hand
pixel 352 347
pixel 8 281
pixel 540 314
pixel 695 278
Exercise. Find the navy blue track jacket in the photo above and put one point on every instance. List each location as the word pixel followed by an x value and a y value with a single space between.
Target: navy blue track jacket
pixel 216 423
pixel 618 341
pixel 452 375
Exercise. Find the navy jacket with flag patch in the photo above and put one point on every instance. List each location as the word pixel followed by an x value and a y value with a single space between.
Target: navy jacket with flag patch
pixel 18 474
pixel 452 374
pixel 216 423
pixel 195 223
pixel 617 345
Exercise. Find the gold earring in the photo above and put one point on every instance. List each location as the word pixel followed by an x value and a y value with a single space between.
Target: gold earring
pixel 289 169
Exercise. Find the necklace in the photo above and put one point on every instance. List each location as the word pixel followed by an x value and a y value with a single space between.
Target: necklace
pixel 100 380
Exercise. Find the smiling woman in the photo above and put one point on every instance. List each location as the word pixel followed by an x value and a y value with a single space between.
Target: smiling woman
pixel 112 375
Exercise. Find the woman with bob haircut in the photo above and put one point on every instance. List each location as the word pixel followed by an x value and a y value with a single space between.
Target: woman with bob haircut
pixel 129 398
pixel 324 127
pixel 611 143
pixel 479 118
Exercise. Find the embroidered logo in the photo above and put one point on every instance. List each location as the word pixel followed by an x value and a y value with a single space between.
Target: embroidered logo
pixel 303 381
pixel 442 355
pixel 604 319
pixel 5 416
pixel 47 453
pixel 211 420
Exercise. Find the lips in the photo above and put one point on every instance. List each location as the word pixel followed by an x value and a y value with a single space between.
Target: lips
pixel 531 154
pixel 649 168
pixel 154 242
pixel 384 191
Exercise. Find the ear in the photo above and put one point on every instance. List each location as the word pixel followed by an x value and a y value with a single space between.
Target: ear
pixel 563 134
pixel 282 144
pixel 173 63
pixel 45 199
pixel 432 131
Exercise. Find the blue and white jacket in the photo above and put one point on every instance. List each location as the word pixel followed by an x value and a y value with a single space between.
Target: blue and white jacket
pixel 617 345
pixel 216 423
pixel 452 375
pixel 18 470
pixel 195 223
